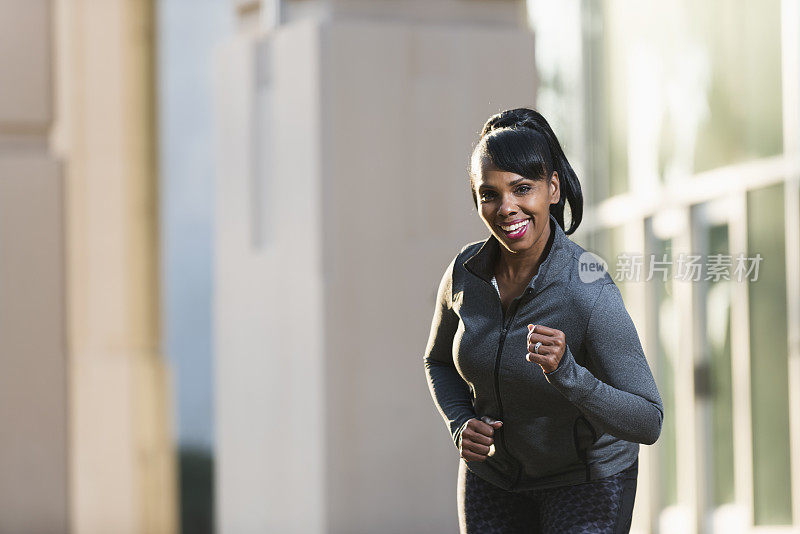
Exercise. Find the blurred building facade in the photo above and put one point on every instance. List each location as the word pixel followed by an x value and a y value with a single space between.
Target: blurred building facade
pixel 87 441
pixel 344 129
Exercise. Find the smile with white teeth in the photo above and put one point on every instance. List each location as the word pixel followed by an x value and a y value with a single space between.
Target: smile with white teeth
pixel 513 227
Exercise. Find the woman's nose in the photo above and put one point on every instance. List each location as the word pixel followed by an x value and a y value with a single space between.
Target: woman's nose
pixel 507 206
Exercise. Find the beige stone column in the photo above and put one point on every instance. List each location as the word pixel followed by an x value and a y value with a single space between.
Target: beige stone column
pixel 121 451
pixel 344 134
pixel 85 413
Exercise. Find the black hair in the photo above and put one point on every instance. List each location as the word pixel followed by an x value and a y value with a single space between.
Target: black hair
pixel 521 141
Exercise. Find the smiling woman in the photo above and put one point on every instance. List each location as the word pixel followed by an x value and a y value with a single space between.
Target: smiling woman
pixel 516 184
pixel 539 375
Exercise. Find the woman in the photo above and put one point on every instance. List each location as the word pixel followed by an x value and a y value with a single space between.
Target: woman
pixel 537 368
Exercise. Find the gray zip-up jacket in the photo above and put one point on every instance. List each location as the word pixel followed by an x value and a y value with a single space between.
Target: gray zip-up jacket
pixel 582 421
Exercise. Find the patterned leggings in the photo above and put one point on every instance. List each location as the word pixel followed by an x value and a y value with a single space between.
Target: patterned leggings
pixel 602 506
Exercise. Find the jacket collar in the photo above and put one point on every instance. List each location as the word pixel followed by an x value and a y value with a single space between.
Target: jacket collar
pixel 482 263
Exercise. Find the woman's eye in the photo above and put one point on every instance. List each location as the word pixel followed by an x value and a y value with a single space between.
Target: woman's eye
pixel 486 196
pixel 523 189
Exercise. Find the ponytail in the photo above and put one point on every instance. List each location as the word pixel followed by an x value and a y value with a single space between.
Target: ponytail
pixel 521 141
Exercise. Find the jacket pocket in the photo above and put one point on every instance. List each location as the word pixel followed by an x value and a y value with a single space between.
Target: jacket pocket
pixel 584 435
pixel 543 445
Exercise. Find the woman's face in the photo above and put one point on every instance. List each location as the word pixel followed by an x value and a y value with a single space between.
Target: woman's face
pixel 514 208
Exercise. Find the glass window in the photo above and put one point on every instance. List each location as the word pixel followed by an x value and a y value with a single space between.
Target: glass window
pixel 744 88
pixel 666 323
pixel 769 358
pixel 717 311
pixel 688 86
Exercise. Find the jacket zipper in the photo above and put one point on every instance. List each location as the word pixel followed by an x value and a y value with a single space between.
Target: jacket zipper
pixel 503 332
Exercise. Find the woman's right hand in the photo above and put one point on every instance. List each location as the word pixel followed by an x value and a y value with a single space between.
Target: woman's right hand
pixel 477 438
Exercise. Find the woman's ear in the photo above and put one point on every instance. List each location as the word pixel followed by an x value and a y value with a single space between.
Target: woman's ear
pixel 555 190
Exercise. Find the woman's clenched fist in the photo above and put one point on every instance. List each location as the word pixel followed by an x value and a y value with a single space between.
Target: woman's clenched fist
pixel 552 348
pixel 477 438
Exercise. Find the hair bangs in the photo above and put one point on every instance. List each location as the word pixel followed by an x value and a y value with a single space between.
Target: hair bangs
pixel 523 151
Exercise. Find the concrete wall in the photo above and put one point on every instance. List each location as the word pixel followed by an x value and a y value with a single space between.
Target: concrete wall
pixel 33 365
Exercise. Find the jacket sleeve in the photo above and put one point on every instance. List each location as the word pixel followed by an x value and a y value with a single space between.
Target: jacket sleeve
pixel 450 393
pixel 626 403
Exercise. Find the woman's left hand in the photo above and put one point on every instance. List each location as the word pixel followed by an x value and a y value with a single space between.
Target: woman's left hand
pixel 550 351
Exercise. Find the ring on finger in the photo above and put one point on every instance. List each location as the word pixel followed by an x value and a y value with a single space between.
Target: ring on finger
pixel 536 347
